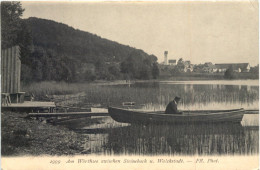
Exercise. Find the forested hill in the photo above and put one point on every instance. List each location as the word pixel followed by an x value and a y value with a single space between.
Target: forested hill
pixel 61 52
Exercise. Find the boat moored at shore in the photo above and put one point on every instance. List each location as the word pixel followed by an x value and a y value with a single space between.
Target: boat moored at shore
pixel 196 116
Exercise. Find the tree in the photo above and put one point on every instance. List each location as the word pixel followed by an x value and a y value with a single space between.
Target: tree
pixel 10 23
pixel 175 71
pixel 155 71
pixel 255 69
pixel 37 70
pixel 180 65
pixel 229 74
pixel 24 41
pixel 115 71
pixel 59 53
pixel 198 68
pixel 15 32
pixel 180 61
pixel 89 76
pixel 144 72
pixel 128 67
pixel 26 74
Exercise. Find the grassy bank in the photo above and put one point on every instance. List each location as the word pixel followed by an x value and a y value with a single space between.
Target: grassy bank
pixel 21 136
pixel 59 88
pixel 52 87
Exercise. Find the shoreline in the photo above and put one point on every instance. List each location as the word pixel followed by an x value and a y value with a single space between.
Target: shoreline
pixel 184 77
pixel 24 136
pixel 123 82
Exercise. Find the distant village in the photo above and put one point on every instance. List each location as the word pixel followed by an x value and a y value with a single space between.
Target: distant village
pixel 186 66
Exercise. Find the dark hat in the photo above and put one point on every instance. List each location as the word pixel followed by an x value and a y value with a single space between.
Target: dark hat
pixel 177 98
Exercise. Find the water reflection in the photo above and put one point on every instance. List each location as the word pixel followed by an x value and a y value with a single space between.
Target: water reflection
pixel 194 96
pixel 105 136
pixel 182 140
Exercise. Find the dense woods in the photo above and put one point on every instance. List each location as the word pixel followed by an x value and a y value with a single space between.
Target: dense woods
pixel 55 51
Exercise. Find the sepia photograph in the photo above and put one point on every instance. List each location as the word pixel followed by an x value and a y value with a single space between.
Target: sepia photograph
pixel 130 84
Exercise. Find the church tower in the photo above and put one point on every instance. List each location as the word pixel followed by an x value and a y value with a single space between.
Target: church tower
pixel 165 58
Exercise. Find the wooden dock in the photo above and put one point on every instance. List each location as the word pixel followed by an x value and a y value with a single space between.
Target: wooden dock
pixel 30 106
pixel 81 114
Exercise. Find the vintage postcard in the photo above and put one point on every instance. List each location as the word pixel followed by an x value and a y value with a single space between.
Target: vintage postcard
pixel 130 85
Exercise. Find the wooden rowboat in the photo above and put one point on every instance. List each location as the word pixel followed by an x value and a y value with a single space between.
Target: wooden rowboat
pixel 198 116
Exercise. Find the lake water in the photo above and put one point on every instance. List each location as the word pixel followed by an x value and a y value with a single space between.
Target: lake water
pixel 109 137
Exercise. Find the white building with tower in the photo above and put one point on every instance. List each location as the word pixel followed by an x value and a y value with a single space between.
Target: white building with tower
pixel 168 62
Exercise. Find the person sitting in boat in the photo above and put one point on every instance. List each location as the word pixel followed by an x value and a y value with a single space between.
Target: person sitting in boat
pixel 172 106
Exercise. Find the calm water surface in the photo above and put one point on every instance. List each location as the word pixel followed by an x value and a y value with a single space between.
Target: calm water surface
pixel 109 137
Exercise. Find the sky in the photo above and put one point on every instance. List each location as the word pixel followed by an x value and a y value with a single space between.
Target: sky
pixel 217 32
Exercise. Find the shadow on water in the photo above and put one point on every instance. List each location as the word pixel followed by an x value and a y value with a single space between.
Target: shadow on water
pixel 205 139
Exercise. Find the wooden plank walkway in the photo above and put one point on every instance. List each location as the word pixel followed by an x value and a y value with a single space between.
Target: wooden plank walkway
pixel 29 104
pixel 87 114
